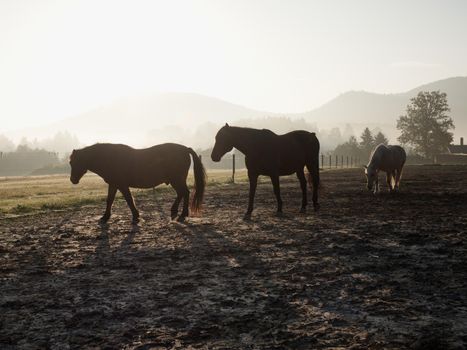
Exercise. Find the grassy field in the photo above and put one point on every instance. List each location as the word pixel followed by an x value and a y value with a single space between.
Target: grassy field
pixel 21 195
pixel 28 194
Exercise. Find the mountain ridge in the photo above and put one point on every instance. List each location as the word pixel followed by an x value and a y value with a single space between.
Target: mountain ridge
pixel 132 117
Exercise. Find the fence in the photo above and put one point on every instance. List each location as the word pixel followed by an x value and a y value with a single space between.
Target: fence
pixel 25 162
pixel 234 162
pixel 335 161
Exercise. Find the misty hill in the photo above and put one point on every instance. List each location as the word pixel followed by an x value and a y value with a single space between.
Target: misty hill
pixel 177 117
pixel 362 108
pixel 167 115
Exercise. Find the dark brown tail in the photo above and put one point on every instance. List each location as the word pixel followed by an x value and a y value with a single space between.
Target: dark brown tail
pixel 200 182
pixel 313 169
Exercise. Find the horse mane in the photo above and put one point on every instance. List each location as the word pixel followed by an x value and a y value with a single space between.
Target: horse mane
pixel 377 154
pixel 88 153
pixel 251 130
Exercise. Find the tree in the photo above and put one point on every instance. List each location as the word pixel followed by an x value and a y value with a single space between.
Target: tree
pixel 367 141
pixel 380 139
pixel 349 148
pixel 6 145
pixel 426 125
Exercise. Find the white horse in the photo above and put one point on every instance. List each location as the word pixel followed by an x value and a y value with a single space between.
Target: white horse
pixel 390 159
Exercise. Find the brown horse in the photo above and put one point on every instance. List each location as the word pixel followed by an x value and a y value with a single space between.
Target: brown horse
pixel 390 159
pixel 273 155
pixel 123 167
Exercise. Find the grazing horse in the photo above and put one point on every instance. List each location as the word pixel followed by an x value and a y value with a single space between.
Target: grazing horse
pixel 390 159
pixel 272 155
pixel 123 167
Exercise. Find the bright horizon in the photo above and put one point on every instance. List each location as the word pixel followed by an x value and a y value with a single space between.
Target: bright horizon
pixel 60 59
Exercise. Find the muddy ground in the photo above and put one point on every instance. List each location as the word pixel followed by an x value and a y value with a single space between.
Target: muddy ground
pixel 386 271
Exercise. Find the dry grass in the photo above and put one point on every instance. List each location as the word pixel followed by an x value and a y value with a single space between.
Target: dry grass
pixel 29 194
pixel 22 195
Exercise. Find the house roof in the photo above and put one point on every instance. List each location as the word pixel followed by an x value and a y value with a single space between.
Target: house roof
pixel 456 149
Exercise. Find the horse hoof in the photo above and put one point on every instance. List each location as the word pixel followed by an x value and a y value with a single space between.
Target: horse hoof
pixel 247 217
pixel 279 214
pixel 103 220
pixel 173 216
pixel 181 218
pixel 135 221
pixel 303 210
pixel 316 207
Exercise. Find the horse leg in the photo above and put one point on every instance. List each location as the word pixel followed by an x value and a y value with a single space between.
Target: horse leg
pixel 313 169
pixel 186 199
pixel 129 200
pixel 277 192
pixel 253 178
pixel 398 177
pixel 376 184
pixel 174 209
pixel 301 178
pixel 389 180
pixel 110 199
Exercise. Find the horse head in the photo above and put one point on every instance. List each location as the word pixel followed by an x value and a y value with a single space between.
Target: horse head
pixel 78 169
pixel 371 176
pixel 224 143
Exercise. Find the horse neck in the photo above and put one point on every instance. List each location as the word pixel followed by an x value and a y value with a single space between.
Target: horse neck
pixel 243 139
pixel 376 158
pixel 91 158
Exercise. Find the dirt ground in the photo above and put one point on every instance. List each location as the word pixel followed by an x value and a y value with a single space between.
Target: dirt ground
pixel 366 272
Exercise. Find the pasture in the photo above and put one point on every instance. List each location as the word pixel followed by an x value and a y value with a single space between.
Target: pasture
pixel 377 272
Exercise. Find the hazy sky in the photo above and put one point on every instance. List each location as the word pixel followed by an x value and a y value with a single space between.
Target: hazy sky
pixel 59 58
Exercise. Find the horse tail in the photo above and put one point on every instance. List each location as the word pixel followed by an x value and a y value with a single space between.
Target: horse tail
pixel 313 168
pixel 200 182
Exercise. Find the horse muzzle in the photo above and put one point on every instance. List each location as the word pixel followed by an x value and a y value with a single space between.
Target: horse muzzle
pixel 74 181
pixel 215 158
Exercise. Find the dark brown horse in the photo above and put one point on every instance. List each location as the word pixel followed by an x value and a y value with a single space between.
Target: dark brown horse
pixel 273 155
pixel 123 167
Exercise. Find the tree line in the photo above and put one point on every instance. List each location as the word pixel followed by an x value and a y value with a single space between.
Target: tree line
pixel 24 160
pixel 425 129
pixel 361 148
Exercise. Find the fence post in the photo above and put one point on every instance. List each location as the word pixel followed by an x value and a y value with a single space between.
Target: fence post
pixel 347 162
pixel 233 168
pixel 330 161
pixel 322 161
pixel 337 160
pixel 342 161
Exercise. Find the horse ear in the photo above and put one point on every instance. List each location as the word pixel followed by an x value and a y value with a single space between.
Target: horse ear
pixel 227 125
pixel 365 167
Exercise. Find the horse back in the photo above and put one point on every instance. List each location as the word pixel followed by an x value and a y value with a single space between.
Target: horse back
pixel 141 168
pixel 298 148
pixel 389 158
pixel 305 142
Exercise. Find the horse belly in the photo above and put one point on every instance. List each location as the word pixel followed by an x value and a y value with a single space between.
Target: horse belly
pixel 148 184
pixel 288 167
pixel 284 171
pixel 147 179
